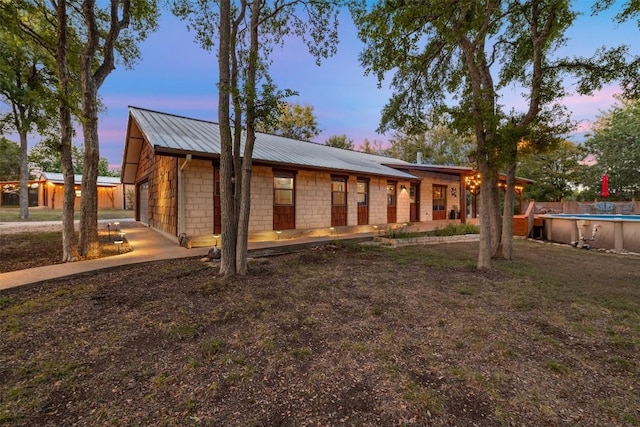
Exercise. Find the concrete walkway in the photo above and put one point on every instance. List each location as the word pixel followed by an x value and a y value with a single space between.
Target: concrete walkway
pixel 150 245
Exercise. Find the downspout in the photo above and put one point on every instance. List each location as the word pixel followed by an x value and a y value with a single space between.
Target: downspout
pixel 182 196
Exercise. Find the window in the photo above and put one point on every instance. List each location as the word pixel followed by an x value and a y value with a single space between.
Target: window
pixel 363 193
pixel 338 191
pixel 283 189
pixel 391 194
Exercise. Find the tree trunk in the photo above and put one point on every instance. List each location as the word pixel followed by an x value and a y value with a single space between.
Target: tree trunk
pixel 66 133
pixel 484 251
pixel 507 221
pixel 24 176
pixel 242 242
pixel 88 245
pixel 245 199
pixel 228 236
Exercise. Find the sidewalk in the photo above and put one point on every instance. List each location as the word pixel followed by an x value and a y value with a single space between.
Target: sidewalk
pixel 147 244
pixel 150 245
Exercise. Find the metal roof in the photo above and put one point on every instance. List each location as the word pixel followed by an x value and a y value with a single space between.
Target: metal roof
pixel 58 178
pixel 176 134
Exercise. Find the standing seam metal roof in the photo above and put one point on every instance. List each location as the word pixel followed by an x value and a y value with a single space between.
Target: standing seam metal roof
pixel 170 132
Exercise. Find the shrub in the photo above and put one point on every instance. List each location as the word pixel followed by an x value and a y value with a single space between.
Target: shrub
pixel 456 229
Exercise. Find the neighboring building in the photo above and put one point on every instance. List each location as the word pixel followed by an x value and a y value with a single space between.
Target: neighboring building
pixel 298 187
pixel 47 191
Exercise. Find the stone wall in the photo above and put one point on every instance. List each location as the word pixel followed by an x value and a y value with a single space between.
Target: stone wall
pixel 197 197
pixel 162 175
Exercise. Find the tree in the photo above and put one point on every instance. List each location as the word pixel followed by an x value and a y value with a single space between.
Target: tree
pixel 440 145
pixel 555 172
pixel 615 149
pixel 45 157
pixel 291 121
pixel 454 57
pixel 26 87
pixel 628 10
pixel 108 31
pixel 340 141
pixel 376 147
pixel 48 30
pixel 247 31
pixel 9 160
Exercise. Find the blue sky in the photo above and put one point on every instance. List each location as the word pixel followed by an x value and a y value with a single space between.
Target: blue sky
pixel 176 76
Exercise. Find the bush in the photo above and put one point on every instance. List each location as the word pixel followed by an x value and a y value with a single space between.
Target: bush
pixel 456 229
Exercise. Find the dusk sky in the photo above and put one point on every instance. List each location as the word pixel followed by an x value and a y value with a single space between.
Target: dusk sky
pixel 176 76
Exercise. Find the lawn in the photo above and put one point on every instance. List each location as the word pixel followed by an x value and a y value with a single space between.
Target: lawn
pixel 338 335
pixel 12 214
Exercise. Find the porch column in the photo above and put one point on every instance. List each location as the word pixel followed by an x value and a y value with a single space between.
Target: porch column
pixel 463 199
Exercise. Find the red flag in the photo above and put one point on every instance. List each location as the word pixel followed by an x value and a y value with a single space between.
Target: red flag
pixel 605 186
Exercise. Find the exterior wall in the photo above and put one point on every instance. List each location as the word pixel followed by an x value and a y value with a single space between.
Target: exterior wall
pixel 426 192
pixel 162 174
pixel 261 216
pixel 184 201
pixel 313 199
pixel 378 201
pixel 50 195
pixel 403 202
pixel 352 200
pixel 196 193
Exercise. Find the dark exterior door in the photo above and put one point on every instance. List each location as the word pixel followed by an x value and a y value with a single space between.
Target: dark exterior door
pixel 439 202
pixel 284 201
pixel 363 202
pixel 143 202
pixel 338 201
pixel 414 202
pixel 391 202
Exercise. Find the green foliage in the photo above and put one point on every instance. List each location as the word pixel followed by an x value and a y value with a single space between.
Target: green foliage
pixel 131 199
pixel 293 121
pixel 27 83
pixel 340 141
pixel 398 233
pixel 374 147
pixel 45 156
pixel 615 148
pixel 9 160
pixel 440 145
pixel 556 172
pixel 456 230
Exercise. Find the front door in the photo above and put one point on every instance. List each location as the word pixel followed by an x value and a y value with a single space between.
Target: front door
pixel 363 202
pixel 414 202
pixel 284 201
pixel 338 201
pixel 391 202
pixel 143 202
pixel 439 202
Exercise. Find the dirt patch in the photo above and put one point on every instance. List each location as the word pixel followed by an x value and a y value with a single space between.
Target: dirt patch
pixel 42 246
pixel 331 336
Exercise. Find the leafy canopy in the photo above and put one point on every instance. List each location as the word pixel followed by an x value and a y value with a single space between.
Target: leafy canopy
pixel 615 150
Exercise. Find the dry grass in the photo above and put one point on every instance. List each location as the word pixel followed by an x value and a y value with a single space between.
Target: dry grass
pixel 338 335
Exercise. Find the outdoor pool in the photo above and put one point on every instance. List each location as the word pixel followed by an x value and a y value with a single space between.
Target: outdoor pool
pixel 617 232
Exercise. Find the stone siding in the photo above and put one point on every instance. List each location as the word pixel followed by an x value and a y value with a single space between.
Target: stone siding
pixel 197 197
pixel 261 215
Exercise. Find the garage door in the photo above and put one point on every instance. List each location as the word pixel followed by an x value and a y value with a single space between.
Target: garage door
pixel 143 202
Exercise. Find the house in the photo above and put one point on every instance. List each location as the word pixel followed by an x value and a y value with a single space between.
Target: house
pixel 298 187
pixel 47 191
